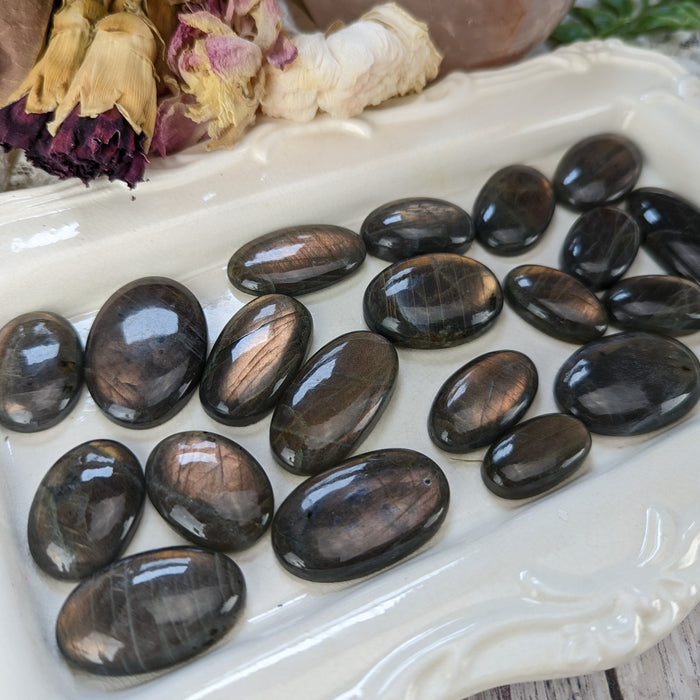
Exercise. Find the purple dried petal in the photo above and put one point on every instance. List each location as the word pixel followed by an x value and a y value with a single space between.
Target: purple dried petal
pixel 282 53
pixel 229 54
pixel 19 129
pixel 174 131
pixel 86 147
pixel 184 36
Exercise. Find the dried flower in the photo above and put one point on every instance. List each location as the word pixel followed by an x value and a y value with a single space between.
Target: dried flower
pixel 383 54
pixel 48 81
pixel 218 53
pixel 91 119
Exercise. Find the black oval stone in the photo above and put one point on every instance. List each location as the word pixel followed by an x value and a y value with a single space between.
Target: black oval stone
pixel 677 252
pixel 334 401
pixel 600 246
pixel 210 490
pixel 367 513
pixel 145 352
pixel 535 456
pixel 41 371
pixel 150 611
pixel 256 355
pixel 658 303
pixel 86 509
pixel 482 400
pixel 414 226
pixel 513 209
pixel 629 383
pixel 657 209
pixel 555 303
pixel 600 169
pixel 433 301
pixel 296 260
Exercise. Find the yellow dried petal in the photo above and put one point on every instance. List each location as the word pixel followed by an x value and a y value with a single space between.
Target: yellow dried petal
pixel 117 71
pixel 49 80
pixel 227 93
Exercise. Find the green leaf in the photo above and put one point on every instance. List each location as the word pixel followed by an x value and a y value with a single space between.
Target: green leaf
pixel 622 8
pixel 601 21
pixel 680 16
pixel 627 19
pixel 568 32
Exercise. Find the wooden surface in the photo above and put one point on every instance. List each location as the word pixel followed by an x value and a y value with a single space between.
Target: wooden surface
pixel 670 670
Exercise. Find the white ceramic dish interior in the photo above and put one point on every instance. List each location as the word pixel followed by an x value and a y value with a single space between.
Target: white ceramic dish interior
pixel 575 581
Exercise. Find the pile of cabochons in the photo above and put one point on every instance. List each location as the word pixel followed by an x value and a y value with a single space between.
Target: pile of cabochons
pixel 146 354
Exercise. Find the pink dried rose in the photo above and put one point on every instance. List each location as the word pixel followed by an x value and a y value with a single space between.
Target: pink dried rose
pixel 218 53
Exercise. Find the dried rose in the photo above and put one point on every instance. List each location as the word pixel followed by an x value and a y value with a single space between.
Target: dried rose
pixel 218 53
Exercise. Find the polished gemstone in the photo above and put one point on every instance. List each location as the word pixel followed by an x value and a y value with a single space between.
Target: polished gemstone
pixel 41 371
pixel 367 513
pixel 296 260
pixel 600 246
pixel 555 303
pixel 482 400
pixel 86 509
pixel 334 401
pixel 254 358
pixel 535 456
pixel 513 209
pixel 600 169
pixel 413 226
pixel 433 301
pixel 210 490
pixel 629 383
pixel 150 611
pixel 677 252
pixel 656 209
pixel 659 303
pixel 145 352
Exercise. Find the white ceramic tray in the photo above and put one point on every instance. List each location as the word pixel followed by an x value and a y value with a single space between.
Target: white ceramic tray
pixel 578 580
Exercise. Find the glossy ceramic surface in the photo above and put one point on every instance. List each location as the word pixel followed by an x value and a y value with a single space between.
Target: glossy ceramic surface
pixel 434 625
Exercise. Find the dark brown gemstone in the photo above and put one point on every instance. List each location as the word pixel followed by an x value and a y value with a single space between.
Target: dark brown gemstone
pixel 296 260
pixel 334 401
pixel 656 209
pixel 629 383
pixel 414 226
pixel 677 252
pixel 555 303
pixel 433 301
pixel 86 509
pixel 254 358
pixel 658 303
pixel 600 247
pixel 482 400
pixel 367 513
pixel 150 611
pixel 513 209
pixel 209 489
pixel 146 352
pixel 597 170
pixel 535 456
pixel 41 371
